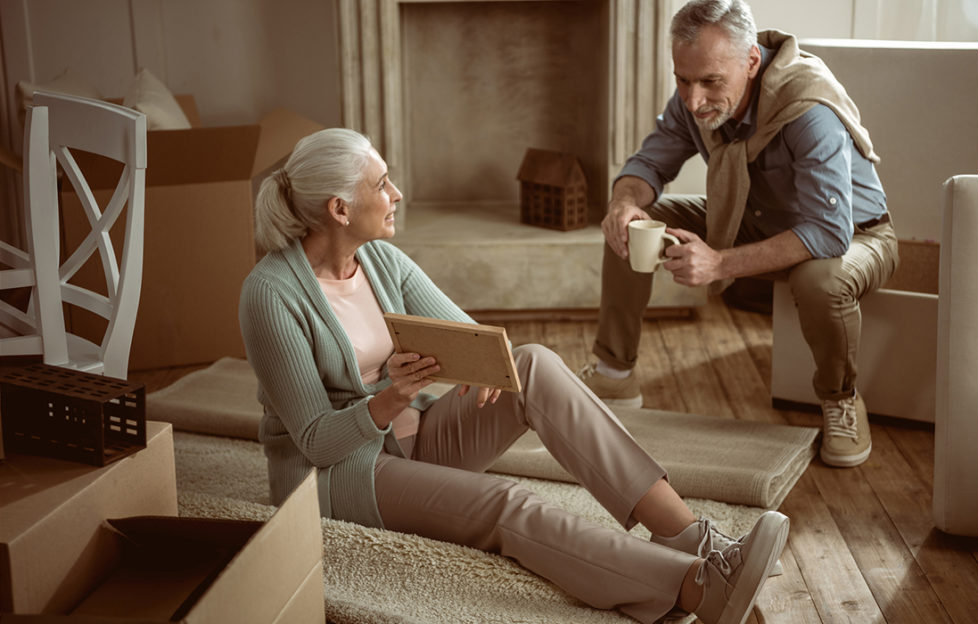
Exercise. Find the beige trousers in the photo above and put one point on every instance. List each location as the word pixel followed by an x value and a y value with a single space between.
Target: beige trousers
pixel 442 492
pixel 826 293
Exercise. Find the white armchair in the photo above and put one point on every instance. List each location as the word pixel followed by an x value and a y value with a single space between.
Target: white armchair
pixel 956 422
pixel 898 347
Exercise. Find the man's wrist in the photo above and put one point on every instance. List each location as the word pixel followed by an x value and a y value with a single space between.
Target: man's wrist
pixel 721 267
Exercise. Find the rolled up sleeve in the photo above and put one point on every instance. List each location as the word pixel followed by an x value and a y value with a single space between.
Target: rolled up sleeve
pixel 822 167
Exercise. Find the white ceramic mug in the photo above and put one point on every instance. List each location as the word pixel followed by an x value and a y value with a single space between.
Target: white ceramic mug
pixel 647 242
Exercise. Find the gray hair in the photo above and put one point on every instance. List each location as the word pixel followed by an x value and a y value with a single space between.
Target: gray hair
pixel 292 200
pixel 733 16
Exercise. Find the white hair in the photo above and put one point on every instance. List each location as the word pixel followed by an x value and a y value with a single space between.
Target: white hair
pixel 733 16
pixel 292 200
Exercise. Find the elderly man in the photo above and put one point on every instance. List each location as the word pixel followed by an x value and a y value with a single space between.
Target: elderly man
pixel 791 191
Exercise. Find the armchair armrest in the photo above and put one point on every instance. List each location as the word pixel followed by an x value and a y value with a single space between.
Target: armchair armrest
pixel 956 421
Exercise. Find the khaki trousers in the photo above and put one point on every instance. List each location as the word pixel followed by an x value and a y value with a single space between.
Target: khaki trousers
pixel 442 492
pixel 826 293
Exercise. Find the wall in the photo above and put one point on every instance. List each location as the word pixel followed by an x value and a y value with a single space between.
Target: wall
pixel 483 83
pixel 240 58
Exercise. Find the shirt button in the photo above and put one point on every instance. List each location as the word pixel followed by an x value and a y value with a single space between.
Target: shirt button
pixel 757 213
pixel 832 200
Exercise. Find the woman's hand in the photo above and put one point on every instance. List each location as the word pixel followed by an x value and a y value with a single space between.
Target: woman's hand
pixel 485 394
pixel 409 373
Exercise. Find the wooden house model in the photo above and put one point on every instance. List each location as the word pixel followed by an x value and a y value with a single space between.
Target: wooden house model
pixel 553 190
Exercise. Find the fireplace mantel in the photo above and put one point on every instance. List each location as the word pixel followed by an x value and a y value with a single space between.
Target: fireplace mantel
pixel 376 96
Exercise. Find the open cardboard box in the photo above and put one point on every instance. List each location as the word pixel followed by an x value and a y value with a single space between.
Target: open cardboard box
pixel 168 569
pixel 199 233
pixel 897 376
pixel 51 511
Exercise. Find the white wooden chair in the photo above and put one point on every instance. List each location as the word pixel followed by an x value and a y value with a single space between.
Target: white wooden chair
pixel 16 271
pixel 56 125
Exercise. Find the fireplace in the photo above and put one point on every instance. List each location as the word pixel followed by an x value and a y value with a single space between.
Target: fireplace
pixel 453 93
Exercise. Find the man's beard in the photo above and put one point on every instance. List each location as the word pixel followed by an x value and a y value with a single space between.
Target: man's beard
pixel 712 123
pixel 722 116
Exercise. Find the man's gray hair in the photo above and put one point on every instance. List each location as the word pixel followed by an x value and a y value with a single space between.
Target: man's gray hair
pixel 733 16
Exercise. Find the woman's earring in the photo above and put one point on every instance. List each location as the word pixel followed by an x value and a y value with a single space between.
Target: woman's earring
pixel 347 222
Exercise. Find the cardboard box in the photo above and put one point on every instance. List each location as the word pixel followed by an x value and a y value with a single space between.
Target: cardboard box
pixel 308 604
pixel 897 359
pixel 203 570
pixel 199 234
pixel 51 512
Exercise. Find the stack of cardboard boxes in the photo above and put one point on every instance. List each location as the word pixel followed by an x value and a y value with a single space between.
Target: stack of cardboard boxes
pixel 86 544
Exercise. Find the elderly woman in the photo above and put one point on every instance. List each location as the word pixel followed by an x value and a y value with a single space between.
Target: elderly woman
pixel 338 399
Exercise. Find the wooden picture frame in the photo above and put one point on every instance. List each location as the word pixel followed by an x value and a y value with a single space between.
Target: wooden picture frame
pixel 477 355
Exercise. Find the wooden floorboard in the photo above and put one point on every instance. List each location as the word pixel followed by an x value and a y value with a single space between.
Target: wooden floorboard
pixel 698 385
pixel 745 389
pixel 654 370
pixel 831 573
pixel 887 565
pixel 917 448
pixel 950 570
pixel 786 598
pixel 862 546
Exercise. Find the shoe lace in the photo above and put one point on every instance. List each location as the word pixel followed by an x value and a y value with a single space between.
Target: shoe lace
pixel 587 371
pixel 840 418
pixel 716 559
pixel 713 539
pixel 712 547
pixel 706 542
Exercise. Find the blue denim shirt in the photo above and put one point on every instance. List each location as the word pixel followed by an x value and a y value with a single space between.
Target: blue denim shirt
pixel 810 178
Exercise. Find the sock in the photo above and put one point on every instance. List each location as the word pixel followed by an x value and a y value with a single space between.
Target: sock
pixel 614 373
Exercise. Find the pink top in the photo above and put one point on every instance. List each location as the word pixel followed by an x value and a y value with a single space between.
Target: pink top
pixel 355 305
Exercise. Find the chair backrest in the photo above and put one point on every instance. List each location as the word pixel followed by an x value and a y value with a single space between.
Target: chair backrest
pixel 58 124
pixel 18 331
pixel 915 158
pixel 19 334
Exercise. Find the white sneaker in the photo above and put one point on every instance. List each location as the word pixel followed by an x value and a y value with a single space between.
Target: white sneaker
pixel 701 537
pixel 625 391
pixel 733 578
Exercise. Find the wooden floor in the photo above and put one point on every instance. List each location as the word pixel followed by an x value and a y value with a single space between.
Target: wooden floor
pixel 862 547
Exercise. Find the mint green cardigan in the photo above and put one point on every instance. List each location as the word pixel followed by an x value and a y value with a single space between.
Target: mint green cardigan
pixel 309 382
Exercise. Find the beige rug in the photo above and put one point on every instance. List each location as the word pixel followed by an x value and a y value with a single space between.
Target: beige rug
pixel 373 576
pixel 733 461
